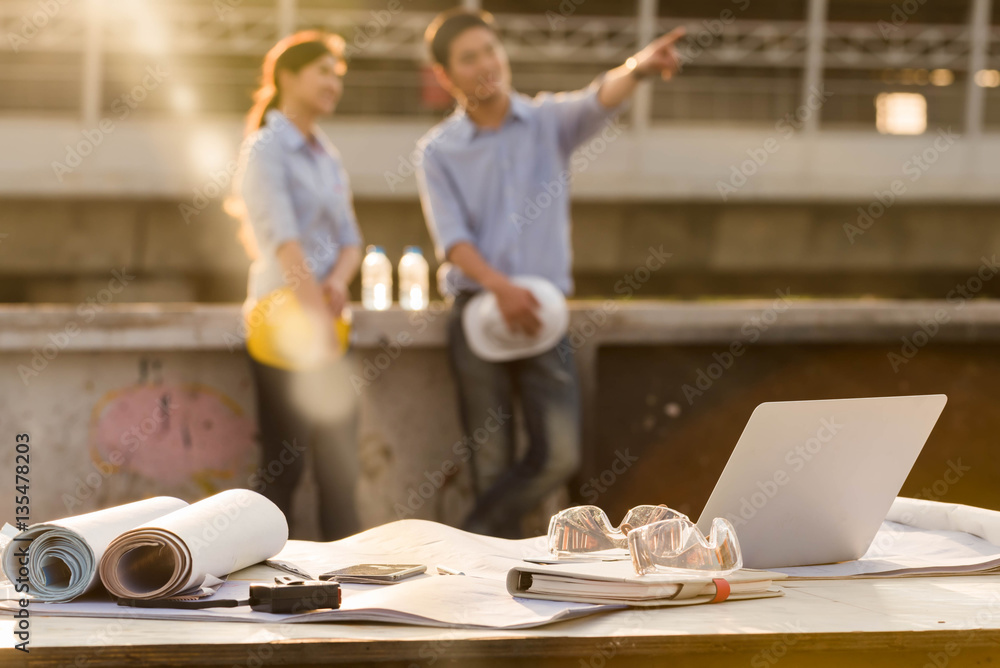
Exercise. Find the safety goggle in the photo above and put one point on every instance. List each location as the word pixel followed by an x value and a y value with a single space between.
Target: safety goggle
pixel 584 529
pixel 679 545
pixel 657 538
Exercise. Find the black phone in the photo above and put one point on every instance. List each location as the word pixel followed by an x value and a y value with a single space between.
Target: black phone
pixel 374 573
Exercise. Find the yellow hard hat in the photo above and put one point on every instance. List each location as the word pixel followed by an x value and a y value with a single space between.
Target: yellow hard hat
pixel 281 334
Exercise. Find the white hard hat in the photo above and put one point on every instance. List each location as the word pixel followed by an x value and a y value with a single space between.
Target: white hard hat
pixel 489 337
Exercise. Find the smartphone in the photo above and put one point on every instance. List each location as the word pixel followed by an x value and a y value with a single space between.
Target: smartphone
pixel 374 573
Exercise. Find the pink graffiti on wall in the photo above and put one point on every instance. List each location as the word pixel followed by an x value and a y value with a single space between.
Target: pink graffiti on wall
pixel 172 433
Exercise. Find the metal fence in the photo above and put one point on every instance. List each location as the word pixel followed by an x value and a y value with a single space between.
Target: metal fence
pixel 79 57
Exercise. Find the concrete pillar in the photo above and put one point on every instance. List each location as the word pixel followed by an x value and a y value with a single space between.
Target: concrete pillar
pixel 91 77
pixel 586 366
pixel 645 30
pixel 979 32
pixel 286 17
pixel 812 77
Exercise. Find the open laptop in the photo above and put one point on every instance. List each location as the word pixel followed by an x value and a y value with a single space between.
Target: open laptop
pixel 810 482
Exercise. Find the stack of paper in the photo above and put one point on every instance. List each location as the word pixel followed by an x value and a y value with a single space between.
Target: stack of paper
pixel 936 539
pixel 478 599
pixel 922 538
pixel 428 600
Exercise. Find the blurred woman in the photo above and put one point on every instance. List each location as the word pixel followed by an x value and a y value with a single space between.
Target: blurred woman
pixel 298 223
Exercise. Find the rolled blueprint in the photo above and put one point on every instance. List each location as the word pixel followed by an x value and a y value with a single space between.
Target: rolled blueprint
pixel 63 555
pixel 180 552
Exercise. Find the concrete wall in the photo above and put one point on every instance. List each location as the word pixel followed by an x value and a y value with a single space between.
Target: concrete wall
pixel 65 250
pixel 147 399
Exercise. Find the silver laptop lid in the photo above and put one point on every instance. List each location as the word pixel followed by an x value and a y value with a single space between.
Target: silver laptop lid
pixel 810 482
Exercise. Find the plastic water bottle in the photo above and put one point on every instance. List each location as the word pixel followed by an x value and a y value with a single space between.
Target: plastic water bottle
pixel 376 280
pixel 414 279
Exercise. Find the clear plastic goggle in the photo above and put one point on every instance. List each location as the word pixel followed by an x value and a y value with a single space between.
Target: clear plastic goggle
pixel 658 539
pixel 581 530
pixel 679 545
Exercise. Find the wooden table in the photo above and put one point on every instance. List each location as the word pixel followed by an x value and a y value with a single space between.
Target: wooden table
pixel 914 622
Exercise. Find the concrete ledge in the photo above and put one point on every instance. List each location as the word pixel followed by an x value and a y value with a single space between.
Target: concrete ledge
pixel 160 157
pixel 218 327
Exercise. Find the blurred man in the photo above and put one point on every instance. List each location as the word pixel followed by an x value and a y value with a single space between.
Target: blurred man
pixel 493 182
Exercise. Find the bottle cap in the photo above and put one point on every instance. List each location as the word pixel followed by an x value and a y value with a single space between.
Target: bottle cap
pixel 375 249
pixel 413 249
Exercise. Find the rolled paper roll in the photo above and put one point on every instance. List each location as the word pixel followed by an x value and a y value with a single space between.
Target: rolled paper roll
pixel 179 552
pixel 63 555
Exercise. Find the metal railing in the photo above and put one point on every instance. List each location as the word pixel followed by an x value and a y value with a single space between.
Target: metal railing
pixel 68 49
